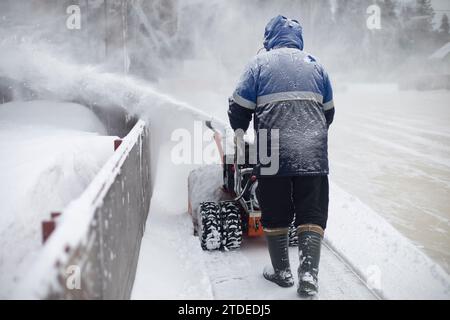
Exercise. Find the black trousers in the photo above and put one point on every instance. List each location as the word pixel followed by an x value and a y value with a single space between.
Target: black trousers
pixel 282 198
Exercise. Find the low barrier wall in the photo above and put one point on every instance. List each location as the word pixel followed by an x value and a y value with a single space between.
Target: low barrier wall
pixel 94 249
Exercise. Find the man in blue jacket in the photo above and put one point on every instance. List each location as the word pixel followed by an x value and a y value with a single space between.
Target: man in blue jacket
pixel 287 90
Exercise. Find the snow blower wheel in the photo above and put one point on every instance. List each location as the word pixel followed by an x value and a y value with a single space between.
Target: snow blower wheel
pixel 293 238
pixel 211 226
pixel 231 225
pixel 224 211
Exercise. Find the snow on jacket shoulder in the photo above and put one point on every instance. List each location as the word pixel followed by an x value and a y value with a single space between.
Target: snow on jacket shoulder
pixel 287 89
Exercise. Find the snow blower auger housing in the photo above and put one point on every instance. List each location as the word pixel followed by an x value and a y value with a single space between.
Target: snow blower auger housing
pixel 223 202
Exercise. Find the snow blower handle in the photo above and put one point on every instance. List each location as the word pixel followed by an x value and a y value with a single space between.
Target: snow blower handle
pixel 239 147
pixel 217 139
pixel 208 123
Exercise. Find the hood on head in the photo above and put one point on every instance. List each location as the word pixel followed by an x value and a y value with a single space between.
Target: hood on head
pixel 283 32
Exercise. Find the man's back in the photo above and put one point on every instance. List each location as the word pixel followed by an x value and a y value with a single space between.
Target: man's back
pixel 290 92
pixel 289 70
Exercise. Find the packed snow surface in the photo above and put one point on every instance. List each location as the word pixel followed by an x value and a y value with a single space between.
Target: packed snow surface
pixel 50 153
pixel 391 149
pixel 172 264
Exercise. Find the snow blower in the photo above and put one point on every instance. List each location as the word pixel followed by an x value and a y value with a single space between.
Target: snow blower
pixel 227 210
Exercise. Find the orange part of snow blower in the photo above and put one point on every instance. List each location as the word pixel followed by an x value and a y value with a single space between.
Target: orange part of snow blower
pixel 255 228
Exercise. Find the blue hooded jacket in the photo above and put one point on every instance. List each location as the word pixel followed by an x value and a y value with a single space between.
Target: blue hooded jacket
pixel 286 89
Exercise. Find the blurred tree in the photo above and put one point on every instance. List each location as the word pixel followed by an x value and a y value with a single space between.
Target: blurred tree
pixel 351 36
pixel 424 15
pixel 388 12
pixel 444 28
pixel 406 31
pixel 418 35
pixel 382 45
pixel 390 23
pixel 316 17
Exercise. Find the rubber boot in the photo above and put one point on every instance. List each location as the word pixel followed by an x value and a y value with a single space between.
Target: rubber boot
pixel 280 272
pixel 309 241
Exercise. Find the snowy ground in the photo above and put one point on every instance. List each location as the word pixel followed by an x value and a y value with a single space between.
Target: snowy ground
pixel 50 152
pixel 383 264
pixel 173 266
pixel 391 149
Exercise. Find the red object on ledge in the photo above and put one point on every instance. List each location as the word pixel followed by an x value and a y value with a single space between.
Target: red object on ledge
pixel 55 215
pixel 117 143
pixel 47 229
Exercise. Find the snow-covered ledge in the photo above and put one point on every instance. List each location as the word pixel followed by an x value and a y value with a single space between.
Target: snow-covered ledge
pixel 390 264
pixel 93 252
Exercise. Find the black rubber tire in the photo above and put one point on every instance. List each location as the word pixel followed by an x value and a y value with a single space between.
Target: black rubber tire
pixel 211 226
pixel 230 214
pixel 293 238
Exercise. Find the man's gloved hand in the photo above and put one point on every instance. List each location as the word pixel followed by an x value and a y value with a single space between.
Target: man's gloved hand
pixel 238 136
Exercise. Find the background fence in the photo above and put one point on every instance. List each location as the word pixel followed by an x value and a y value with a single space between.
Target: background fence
pixel 94 249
